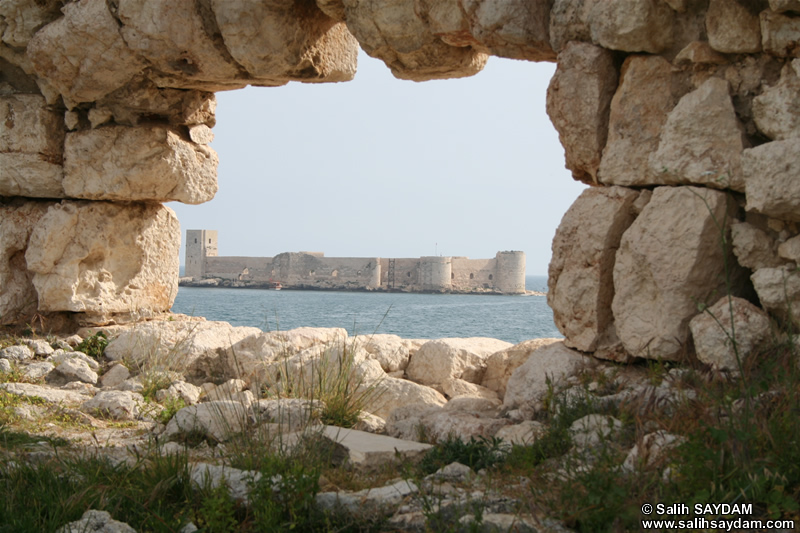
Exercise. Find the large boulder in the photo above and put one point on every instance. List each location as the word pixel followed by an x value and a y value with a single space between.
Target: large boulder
pixel 392 352
pixel 105 259
pixel 501 365
pixel 31 146
pixel 439 360
pixel 670 260
pixel 578 101
pixel 146 163
pixel 581 272
pixel 391 393
pixel 770 174
pixel 546 367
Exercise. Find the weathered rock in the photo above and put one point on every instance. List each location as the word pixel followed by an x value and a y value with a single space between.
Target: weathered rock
pixel 99 521
pixel 115 375
pixel 669 260
pixel 102 259
pixel 20 19
pixel 391 351
pixel 18 299
pixel 778 290
pixel 548 365
pixel 581 272
pixel 522 434
pixel 201 134
pixel 592 429
pixel 715 330
pixel 278 41
pixel 37 371
pixel 632 25
pixel 291 414
pixel 217 421
pixel 372 498
pixel 142 100
pixel 238 482
pixel 782 6
pixel 442 425
pixel 501 365
pixel 439 360
pixel 392 393
pixel 365 450
pixel 66 398
pixel 648 91
pixel 393 32
pixel 790 249
pixel 181 390
pixel 40 347
pixel 118 405
pixel 779 34
pixel 458 387
pixel 136 164
pixel 405 422
pixel 733 28
pixel 578 101
pixel 776 110
pixel 702 141
pixel 83 54
pixel 17 353
pixel 569 21
pixel 59 356
pixel 73 369
pixel 699 53
pixel 770 174
pixel 753 247
pixel 6 366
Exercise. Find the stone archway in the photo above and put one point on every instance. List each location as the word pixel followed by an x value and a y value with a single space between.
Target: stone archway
pixel 682 113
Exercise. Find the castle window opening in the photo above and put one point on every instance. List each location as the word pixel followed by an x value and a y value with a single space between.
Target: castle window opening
pixel 195 241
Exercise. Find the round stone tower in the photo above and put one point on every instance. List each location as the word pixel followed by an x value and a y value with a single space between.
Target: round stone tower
pixel 435 273
pixel 510 272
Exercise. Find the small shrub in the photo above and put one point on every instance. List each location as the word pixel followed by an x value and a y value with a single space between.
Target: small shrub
pixel 172 404
pixel 475 453
pixel 94 346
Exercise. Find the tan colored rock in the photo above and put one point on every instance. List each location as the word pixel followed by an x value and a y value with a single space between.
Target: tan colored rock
pixel 716 328
pixel 201 134
pixel 277 41
pixel 778 291
pixel 135 164
pixel 569 21
pixel 20 19
pixel 733 28
pixel 782 6
pixel 439 360
pixel 702 141
pixel 581 272
pixel 790 249
pixel 392 31
pixel 753 247
pixel 83 54
pixel 780 35
pixel 118 405
pixel 101 259
pixel 699 53
pixel 548 366
pixel 770 173
pixel 669 260
pixel 456 387
pixel 647 93
pixel 18 299
pixel 115 376
pixel 31 145
pixel 391 351
pixel 392 394
pixel 776 111
pixel 578 101
pixel 501 365
pixel 333 8
pixel 217 421
pixel 632 25
pixel 522 434
pixel 439 426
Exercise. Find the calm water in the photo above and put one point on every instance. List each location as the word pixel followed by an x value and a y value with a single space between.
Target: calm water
pixel 419 316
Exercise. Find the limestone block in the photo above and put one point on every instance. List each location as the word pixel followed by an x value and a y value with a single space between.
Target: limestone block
pixel 456 388
pixel 733 28
pixel 291 414
pixel 522 434
pixel 237 483
pixel 715 329
pixel 20 19
pixel 780 35
pixel 782 6
pixel 439 360
pixel 790 249
pixel 93 520
pixel 180 390
pixel 82 54
pixel 73 369
pixel 134 164
pixel 18 299
pixel 778 290
pixel 333 8
pixel 118 405
pixel 501 365
pixel 100 258
pixel 217 421
pixel 771 184
pixel 578 101
pixel 702 141
pixel 776 111
pixel 391 351
pixel 753 247
pixel 669 260
pixel 392 31
pixel 392 393
pixel 569 21
pixel 580 276
pixel 40 347
pixel 441 425
pixel 276 41
pixel 548 365
pixel 201 134
pixel 173 37
pixel 31 145
pixel 17 353
pixel 63 398
pixel 632 25
pixel 638 111
pixel 115 375
pixel 37 371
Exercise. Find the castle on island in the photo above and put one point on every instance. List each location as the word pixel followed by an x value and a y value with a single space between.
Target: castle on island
pixel 503 274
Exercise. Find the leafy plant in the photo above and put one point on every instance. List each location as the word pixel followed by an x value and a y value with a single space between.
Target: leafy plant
pixel 94 346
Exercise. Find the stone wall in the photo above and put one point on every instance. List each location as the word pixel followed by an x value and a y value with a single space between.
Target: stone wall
pixel 682 114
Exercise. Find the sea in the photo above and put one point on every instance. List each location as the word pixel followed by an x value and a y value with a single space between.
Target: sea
pixel 512 318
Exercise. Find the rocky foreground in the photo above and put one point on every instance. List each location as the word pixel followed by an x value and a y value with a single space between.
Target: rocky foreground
pixel 215 380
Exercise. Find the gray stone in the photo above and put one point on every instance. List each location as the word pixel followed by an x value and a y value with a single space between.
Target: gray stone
pixel 366 450
pixel 118 405
pixel 593 429
pixel 115 376
pixel 37 371
pixel 778 291
pixel 776 110
pixel 17 353
pixel 6 366
pixel 238 482
pixel 48 394
pixel 96 521
pixel 40 347
pixel 548 366
pixel 218 421
pixel 378 497
pixel 73 369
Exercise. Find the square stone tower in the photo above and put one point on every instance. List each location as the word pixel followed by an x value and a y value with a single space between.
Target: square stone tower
pixel 200 243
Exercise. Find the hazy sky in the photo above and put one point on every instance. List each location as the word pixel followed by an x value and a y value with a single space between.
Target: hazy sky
pixel 387 168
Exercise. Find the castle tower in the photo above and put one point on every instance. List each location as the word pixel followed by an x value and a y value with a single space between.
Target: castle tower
pixel 436 273
pixel 510 272
pixel 200 243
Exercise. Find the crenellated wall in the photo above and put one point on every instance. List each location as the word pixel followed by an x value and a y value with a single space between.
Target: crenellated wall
pixel 683 115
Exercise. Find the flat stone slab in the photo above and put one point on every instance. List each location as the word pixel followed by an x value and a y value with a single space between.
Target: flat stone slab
pixel 367 449
pixel 65 397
